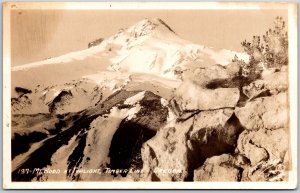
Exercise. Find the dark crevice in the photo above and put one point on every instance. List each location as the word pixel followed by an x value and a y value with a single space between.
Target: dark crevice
pixel 242 100
pixel 57 127
pixel 154 178
pixel 234 82
pixel 200 153
pixel 218 141
pixel 125 149
pixel 77 155
pixel 265 93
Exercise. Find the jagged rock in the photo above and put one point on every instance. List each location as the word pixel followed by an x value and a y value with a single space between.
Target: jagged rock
pixel 18 104
pixel 216 121
pixel 268 171
pixel 22 91
pixel 60 100
pixel 190 96
pixel 218 168
pixel 265 113
pixel 267 151
pixel 272 83
pixel 165 155
pixel 275 142
pixel 95 42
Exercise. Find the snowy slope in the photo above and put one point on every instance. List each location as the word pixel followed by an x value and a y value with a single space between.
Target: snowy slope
pixel 150 46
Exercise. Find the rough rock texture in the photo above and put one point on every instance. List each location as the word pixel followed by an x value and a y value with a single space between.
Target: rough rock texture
pixel 218 129
pixel 273 83
pixel 273 142
pixel 267 151
pixel 207 122
pixel 271 170
pixel 219 168
pixel 190 96
pixel 265 113
pixel 205 74
pixel 165 155
pixel 187 144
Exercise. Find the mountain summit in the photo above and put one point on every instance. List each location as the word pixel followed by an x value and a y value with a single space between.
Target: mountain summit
pixel 149 26
pixel 149 46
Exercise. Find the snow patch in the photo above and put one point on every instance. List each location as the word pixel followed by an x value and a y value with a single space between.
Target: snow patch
pixel 133 111
pixel 135 99
pixel 72 56
pixel 164 102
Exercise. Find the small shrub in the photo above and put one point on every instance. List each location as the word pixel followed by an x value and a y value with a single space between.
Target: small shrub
pixel 273 53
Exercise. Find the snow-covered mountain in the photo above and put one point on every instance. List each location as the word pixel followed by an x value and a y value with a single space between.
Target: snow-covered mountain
pixel 145 100
pixel 148 53
pixel 150 46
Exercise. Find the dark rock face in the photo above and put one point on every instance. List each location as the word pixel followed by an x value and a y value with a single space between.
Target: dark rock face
pixel 21 143
pixel 125 152
pixel 21 90
pixel 126 143
pixel 218 129
pixel 63 97
pixel 95 42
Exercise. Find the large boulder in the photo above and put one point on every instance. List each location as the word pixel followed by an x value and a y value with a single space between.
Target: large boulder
pixel 208 121
pixel 165 155
pixel 203 74
pixel 214 133
pixel 267 151
pixel 190 96
pixel 264 143
pixel 265 113
pixel 219 168
pixel 206 73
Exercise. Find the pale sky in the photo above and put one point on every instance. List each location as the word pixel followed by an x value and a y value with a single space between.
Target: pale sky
pixel 37 35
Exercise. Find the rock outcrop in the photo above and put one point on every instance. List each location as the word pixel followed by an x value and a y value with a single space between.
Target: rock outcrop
pixel 165 155
pixel 222 168
pixel 265 113
pixel 267 151
pixel 190 97
pixel 270 84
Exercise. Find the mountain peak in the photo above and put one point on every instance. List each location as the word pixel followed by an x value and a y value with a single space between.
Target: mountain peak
pixel 148 26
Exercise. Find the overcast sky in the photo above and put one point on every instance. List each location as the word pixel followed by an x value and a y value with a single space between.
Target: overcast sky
pixel 37 34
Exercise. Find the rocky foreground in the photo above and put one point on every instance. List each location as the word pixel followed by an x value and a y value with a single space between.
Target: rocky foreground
pixel 199 134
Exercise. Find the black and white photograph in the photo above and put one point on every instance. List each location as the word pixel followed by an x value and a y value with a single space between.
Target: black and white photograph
pixel 149 95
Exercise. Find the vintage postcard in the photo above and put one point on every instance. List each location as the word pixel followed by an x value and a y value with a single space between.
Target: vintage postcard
pixel 150 95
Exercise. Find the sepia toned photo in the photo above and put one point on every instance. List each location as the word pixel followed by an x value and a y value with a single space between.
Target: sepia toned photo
pixel 150 95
